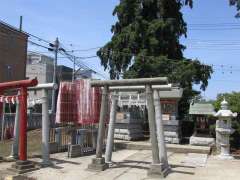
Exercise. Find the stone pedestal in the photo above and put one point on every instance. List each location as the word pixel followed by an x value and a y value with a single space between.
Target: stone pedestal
pixel 202 141
pixel 74 150
pixel 158 171
pixel 98 164
pixel 21 167
pixel 224 143
pixel 172 132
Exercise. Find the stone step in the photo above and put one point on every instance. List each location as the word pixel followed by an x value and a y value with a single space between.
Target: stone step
pixel 177 148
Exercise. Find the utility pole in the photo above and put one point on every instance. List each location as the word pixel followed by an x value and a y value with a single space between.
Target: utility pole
pixel 55 49
pixel 73 73
pixel 20 24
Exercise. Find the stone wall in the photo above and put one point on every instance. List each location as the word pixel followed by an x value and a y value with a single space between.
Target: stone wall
pixel 172 131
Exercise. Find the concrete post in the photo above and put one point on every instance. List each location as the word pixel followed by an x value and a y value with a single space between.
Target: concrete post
pixel 110 137
pixel 74 137
pixel 98 163
pixel 152 125
pixel 81 134
pixel 14 153
pixel 45 130
pixel 94 138
pixel 160 134
pixel 3 120
pixel 58 137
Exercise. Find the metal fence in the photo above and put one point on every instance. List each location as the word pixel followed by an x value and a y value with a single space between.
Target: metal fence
pixel 64 135
pixel 34 122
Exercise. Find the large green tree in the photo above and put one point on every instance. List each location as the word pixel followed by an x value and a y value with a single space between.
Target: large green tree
pixel 146 43
pixel 237 4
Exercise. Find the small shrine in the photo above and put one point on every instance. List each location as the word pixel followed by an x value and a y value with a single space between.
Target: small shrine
pixel 131 120
pixel 224 130
pixel 202 114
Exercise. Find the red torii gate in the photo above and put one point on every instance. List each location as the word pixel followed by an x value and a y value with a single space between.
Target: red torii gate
pixel 22 85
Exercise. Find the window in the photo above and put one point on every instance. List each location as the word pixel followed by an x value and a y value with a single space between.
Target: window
pixel 9 72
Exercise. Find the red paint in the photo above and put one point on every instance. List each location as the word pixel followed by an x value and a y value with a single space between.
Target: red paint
pixel 23 84
pixel 18 84
pixel 23 125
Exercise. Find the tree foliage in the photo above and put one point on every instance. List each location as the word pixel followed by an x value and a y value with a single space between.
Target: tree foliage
pixel 237 4
pixel 232 98
pixel 146 43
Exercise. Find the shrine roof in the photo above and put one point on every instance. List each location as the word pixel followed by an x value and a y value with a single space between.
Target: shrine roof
pixel 201 109
pixel 175 93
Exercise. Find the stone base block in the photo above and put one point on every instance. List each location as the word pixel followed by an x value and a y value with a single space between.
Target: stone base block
pixel 225 157
pixel 74 150
pixel 131 137
pixel 202 141
pixel 21 167
pixel 12 158
pixel 158 171
pixel 98 164
pixel 46 164
pixel 172 140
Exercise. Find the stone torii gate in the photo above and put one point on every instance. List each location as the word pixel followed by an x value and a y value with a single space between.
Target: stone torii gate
pixel 159 166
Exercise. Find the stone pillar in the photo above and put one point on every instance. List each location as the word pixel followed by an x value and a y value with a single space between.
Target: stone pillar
pixel 45 130
pixel 160 135
pixel 218 146
pixel 98 163
pixel 155 167
pixel 14 153
pixel 110 137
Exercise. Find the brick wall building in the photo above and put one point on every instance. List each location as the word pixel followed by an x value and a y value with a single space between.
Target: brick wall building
pixel 13 53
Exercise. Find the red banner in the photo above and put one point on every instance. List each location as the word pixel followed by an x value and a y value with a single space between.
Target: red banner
pixel 78 102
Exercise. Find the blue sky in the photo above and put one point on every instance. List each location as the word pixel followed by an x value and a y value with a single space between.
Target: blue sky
pixel 86 25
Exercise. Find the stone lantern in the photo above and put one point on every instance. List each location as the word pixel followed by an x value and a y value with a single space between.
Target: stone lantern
pixel 224 130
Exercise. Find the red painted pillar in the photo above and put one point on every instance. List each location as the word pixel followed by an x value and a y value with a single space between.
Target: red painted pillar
pixel 23 125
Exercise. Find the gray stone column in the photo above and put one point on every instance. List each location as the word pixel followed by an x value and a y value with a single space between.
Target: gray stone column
pixel 152 125
pixel 98 163
pixel 14 153
pixel 110 136
pixel 155 170
pixel 218 136
pixel 45 130
pixel 160 135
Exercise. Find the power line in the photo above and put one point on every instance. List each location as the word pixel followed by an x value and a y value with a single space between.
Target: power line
pixel 33 43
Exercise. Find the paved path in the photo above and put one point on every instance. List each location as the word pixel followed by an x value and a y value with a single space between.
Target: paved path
pixel 133 165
